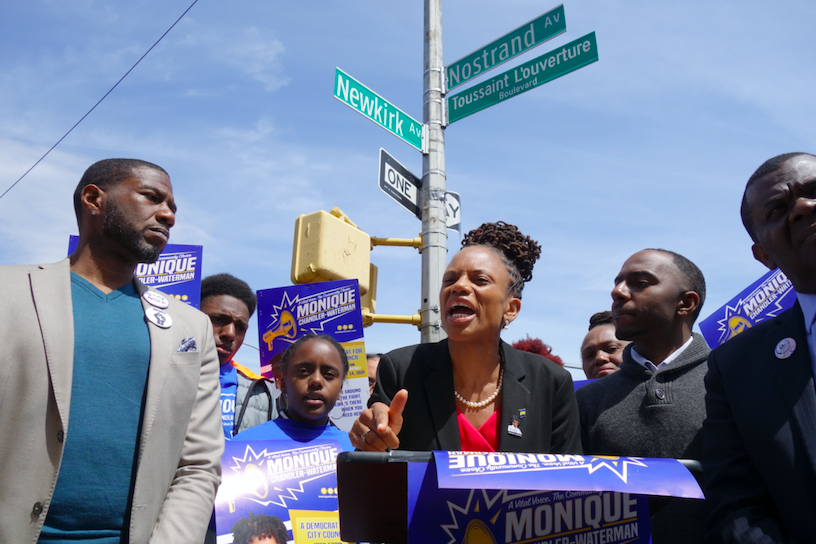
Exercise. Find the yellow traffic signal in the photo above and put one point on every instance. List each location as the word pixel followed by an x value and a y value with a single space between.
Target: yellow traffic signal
pixel 369 300
pixel 329 246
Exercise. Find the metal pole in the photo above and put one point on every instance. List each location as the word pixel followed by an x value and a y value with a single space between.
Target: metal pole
pixel 434 215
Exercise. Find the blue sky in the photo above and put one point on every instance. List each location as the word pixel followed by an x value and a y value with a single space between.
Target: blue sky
pixel 649 147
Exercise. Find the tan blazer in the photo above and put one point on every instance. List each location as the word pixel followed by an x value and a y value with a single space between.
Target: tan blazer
pixel 181 442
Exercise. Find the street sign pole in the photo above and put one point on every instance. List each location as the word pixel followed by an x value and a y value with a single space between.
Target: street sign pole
pixel 434 214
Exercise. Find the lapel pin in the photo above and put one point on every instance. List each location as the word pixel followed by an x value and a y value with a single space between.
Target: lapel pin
pixel 785 348
pixel 156 299
pixel 513 428
pixel 159 317
pixel 522 413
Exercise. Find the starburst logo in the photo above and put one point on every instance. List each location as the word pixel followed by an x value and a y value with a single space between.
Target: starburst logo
pixel 477 531
pixel 763 303
pixel 617 465
pixel 285 305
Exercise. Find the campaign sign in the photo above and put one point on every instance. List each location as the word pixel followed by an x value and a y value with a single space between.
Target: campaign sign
pixel 489 516
pixel 177 272
pixel 500 470
pixel 330 307
pixel 293 481
pixel 764 299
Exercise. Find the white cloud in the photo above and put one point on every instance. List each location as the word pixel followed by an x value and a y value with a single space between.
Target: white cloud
pixel 255 54
pixel 258 56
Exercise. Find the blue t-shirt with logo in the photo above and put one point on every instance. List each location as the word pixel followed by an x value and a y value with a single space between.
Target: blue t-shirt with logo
pixel 289 429
pixel 228 375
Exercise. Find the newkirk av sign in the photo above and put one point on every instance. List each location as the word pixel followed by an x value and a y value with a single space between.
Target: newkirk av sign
pixel 369 104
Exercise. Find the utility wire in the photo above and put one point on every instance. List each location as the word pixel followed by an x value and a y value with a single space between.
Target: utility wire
pixel 100 100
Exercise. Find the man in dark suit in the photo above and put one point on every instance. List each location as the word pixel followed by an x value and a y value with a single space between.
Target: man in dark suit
pixel 759 450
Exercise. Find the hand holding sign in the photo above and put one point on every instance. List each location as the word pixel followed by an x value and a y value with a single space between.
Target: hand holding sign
pixel 377 427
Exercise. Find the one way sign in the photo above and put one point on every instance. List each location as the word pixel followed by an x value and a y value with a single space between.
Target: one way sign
pixel 397 182
pixel 406 190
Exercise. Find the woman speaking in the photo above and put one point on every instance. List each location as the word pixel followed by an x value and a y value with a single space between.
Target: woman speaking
pixel 472 391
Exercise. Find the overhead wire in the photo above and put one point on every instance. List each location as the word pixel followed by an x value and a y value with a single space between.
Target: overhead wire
pixel 99 101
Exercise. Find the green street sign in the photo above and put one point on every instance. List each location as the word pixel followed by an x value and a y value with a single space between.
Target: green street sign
pixel 523 77
pixel 512 44
pixel 360 98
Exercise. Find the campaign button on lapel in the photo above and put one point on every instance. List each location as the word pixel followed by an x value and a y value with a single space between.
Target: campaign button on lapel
pixel 785 348
pixel 156 299
pixel 159 317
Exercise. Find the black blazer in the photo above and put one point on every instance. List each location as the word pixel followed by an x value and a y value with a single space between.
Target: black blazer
pixel 531 383
pixel 759 445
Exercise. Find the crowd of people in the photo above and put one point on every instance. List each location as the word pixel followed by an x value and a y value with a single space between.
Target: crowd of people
pixel 103 366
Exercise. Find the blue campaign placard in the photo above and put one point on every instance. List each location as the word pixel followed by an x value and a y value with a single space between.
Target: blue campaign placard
pixel 287 313
pixel 276 478
pixel 764 299
pixel 330 307
pixel 177 272
pixel 501 470
pixel 521 517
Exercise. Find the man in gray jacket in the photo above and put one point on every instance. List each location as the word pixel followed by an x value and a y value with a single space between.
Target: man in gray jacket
pixel 654 406
pixel 247 399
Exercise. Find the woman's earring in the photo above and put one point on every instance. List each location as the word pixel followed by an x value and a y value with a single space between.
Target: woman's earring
pixel 506 325
pixel 342 410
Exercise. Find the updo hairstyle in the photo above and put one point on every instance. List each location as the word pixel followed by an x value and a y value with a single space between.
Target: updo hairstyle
pixel 517 251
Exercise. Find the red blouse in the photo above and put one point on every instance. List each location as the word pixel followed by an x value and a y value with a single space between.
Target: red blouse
pixel 485 438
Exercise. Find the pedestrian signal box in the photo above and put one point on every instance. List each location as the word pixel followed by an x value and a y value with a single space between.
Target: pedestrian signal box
pixel 329 246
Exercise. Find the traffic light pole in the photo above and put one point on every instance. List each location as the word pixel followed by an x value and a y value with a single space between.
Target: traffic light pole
pixel 434 214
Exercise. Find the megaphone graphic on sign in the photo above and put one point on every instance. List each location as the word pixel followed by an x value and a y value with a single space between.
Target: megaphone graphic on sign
pixel 287 328
pixel 254 484
pixel 478 532
pixel 736 325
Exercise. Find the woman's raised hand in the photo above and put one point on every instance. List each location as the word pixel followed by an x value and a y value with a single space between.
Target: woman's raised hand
pixel 377 427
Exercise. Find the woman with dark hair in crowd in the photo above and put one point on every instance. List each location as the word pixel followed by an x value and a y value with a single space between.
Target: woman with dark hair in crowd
pixel 472 391
pixel 312 372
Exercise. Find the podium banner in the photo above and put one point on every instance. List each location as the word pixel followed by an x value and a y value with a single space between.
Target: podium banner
pixel 500 470
pixel 485 516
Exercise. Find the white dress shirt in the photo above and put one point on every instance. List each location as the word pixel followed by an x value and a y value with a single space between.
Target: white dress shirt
pixel 648 365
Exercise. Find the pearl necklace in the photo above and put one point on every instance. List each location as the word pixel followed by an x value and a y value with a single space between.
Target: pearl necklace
pixel 491 398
